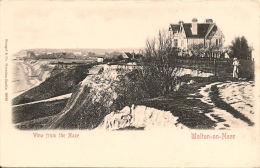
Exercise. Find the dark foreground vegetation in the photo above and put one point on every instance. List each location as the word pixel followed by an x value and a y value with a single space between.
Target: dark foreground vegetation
pixel 37 110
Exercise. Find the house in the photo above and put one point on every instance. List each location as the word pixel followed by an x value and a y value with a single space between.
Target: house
pixel 184 35
pixel 100 59
pixel 18 58
pixel 127 55
pixel 77 53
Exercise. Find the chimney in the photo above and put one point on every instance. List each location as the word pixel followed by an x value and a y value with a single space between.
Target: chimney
pixel 194 27
pixel 209 21
pixel 180 22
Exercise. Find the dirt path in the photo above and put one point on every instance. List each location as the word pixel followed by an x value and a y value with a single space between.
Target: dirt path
pixel 46 100
pixel 232 104
pixel 240 95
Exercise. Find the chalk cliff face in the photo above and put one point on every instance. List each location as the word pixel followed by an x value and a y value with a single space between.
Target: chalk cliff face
pixel 193 73
pixel 90 102
pixel 139 117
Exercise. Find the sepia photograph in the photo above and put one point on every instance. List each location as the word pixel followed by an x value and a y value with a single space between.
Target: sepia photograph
pixel 70 68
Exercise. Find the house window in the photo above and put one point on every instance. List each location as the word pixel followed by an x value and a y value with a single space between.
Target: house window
pixel 216 42
pixel 175 42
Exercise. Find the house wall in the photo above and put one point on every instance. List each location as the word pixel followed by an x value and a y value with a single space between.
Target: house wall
pixel 191 41
pixel 207 42
pixel 214 39
pixel 99 59
pixel 182 43
pixel 181 38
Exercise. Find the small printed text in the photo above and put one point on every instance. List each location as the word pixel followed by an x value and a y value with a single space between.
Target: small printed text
pixel 55 135
pixel 222 136
pixel 6 69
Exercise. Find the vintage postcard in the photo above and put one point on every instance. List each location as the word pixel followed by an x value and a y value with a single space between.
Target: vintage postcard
pixel 129 83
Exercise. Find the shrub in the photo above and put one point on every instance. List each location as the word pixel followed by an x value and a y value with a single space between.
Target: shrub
pixel 158 72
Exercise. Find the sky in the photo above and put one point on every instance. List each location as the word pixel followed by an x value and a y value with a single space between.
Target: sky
pixel 116 24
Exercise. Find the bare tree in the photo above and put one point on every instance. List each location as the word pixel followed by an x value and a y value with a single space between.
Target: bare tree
pixel 159 69
pixel 155 77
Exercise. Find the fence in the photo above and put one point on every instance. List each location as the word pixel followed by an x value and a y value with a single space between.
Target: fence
pixel 222 67
pixel 218 67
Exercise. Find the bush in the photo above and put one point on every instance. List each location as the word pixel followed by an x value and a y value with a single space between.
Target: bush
pixel 159 66
pixel 155 77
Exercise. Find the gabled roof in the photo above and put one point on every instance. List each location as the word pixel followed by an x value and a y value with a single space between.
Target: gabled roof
pixel 203 29
pixel 175 27
pixel 128 55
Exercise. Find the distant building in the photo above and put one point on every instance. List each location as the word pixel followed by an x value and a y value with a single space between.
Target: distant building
pixel 30 54
pixel 100 59
pixel 127 55
pixel 18 58
pixel 77 53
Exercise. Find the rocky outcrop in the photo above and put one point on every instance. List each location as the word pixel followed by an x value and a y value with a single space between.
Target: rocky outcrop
pixel 139 117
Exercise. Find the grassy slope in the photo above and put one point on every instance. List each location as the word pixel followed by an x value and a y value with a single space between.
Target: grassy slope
pixel 186 109
pixel 38 110
pixel 60 83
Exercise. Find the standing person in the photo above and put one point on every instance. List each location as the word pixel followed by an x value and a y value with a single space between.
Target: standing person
pixel 235 70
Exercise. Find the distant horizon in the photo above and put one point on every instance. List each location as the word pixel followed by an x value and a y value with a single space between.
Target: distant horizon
pixel 99 50
pixel 83 48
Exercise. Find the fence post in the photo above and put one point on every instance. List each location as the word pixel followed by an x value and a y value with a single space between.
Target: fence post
pixel 215 65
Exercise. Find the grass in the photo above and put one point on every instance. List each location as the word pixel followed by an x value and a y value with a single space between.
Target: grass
pixel 191 112
pixel 35 124
pixel 38 110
